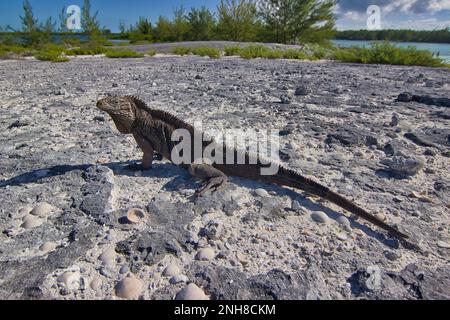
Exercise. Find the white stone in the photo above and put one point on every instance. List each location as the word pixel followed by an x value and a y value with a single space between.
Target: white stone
pixel 42 210
pixel 70 279
pixel 191 292
pixel 205 254
pixel 108 257
pixel 96 284
pixel 30 222
pixel 128 288
pixel 47 247
pixel 320 217
pixel 262 193
pixel 171 270
pixel 178 279
pixel 442 244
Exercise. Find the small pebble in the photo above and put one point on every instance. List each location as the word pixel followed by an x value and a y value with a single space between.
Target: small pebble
pixel 341 236
pixel 108 257
pixel 242 259
pixel 42 210
pixel 171 270
pixel 124 269
pixel 381 216
pixel 96 284
pixel 191 292
pixel 344 222
pixel 205 254
pixel 320 217
pixel 262 193
pixel 47 247
pixel 70 279
pixel 442 244
pixel 128 288
pixel 178 279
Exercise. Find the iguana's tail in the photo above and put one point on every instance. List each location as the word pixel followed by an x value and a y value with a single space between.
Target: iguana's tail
pixel 289 178
pixel 293 179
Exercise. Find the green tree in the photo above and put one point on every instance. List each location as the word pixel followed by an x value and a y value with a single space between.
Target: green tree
pixel 163 30
pixel 202 24
pixel 180 25
pixel 29 22
pixel 63 20
pixel 291 21
pixel 237 20
pixel 89 21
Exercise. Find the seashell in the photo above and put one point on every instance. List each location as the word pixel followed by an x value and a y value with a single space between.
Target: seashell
pixel 191 292
pixel 171 270
pixel 42 210
pixel 205 254
pixel 128 288
pixel 30 222
pixel 136 215
pixel 47 247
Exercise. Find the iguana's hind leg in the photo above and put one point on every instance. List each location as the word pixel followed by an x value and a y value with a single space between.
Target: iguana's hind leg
pixel 214 178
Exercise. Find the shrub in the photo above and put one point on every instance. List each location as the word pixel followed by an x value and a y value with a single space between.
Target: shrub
pixel 51 52
pixel 87 51
pixel 151 53
pixel 207 51
pixel 386 53
pixel 123 54
pixel 181 51
pixel 232 50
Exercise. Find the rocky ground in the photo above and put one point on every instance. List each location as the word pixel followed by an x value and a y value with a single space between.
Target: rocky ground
pixel 68 179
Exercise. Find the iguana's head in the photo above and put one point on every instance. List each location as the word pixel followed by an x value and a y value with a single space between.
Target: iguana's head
pixel 122 110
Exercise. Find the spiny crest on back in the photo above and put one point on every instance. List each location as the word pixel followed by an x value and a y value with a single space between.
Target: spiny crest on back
pixel 162 115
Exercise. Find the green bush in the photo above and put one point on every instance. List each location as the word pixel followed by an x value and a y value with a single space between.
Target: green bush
pixel 207 51
pixel 232 50
pixel 123 54
pixel 386 53
pixel 254 51
pixel 11 50
pixel 295 54
pixel 181 51
pixel 151 53
pixel 51 52
pixel 87 51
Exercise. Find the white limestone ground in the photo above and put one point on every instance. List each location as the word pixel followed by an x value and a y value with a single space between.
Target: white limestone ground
pixel 339 134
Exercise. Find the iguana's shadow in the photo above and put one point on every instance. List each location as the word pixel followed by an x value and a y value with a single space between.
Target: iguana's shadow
pixel 182 180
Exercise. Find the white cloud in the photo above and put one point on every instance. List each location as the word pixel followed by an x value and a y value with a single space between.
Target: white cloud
pixel 438 5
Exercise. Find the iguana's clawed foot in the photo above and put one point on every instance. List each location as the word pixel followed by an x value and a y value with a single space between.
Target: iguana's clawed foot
pixel 212 184
pixel 158 157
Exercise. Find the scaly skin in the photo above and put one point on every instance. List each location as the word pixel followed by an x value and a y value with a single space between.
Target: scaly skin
pixel 153 129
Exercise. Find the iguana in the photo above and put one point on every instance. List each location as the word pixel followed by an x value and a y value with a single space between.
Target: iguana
pixel 153 129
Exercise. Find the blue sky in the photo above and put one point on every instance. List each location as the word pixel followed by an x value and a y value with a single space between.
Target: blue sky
pixel 414 14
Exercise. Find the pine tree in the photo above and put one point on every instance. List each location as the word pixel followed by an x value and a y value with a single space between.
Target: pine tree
pixel 89 22
pixel 237 20
pixel 29 22
pixel 202 24
pixel 180 25
pixel 291 21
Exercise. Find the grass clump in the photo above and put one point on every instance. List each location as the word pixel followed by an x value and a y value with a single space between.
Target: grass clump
pixel 151 53
pixel 123 54
pixel 207 52
pixel 51 52
pixel 87 51
pixel 386 53
pixel 232 51
pixel 181 51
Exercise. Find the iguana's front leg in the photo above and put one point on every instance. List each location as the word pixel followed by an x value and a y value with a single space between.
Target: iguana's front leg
pixel 146 147
pixel 214 178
